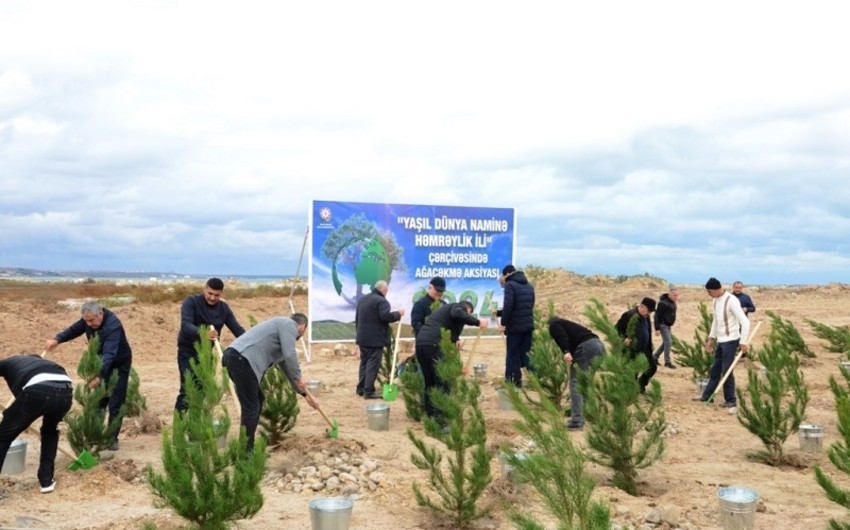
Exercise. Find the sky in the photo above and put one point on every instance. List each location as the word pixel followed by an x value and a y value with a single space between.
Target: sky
pixel 679 139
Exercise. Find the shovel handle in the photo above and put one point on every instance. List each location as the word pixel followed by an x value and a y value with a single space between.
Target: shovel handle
pixel 230 384
pixel 395 352
pixel 472 351
pixel 322 412
pixel 732 366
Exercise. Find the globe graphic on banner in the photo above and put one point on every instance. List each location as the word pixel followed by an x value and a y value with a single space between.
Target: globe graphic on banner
pixel 366 261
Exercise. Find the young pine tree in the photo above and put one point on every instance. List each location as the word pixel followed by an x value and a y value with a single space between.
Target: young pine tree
pixel 87 428
pixel 460 482
pixel 280 408
pixel 548 362
pixel 136 402
pixel 783 331
pixel 839 451
pixel 693 354
pixel 412 389
pixel 837 337
pixel 208 486
pixel 772 407
pixel 556 468
pixel 623 427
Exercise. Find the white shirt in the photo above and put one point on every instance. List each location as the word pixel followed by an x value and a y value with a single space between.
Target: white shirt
pixel 730 322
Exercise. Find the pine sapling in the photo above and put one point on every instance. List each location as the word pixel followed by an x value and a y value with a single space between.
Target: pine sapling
pixel 87 427
pixel 555 469
pixel 694 355
pixel 838 452
pixel 783 331
pixel 280 408
pixel 136 402
pixel 837 337
pixel 461 480
pixel 772 407
pixel 548 362
pixel 623 427
pixel 210 487
pixel 412 389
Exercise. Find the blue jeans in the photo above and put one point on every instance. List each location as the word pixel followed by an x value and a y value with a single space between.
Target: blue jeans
pixel 583 357
pixel 666 343
pixel 724 355
pixel 518 345
pixel 51 400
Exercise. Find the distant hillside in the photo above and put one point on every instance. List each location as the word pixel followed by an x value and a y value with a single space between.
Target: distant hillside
pixel 20 272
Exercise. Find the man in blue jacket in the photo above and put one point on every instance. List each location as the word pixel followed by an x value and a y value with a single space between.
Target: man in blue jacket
pixel 372 321
pixel 517 322
pixel 205 309
pixel 114 351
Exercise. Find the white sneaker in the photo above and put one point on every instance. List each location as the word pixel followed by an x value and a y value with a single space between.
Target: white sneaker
pixel 49 488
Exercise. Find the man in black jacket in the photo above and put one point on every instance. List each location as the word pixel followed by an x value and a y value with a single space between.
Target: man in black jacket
pixel 517 322
pixel 641 341
pixel 422 308
pixel 205 309
pixel 41 388
pixel 452 317
pixel 665 317
pixel 114 351
pixel 372 321
pixel 580 346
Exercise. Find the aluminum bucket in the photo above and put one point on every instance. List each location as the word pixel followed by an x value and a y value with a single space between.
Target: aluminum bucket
pixel 16 458
pixel 507 469
pixel 480 371
pixel 378 416
pixel 504 400
pixel 737 508
pixel 702 384
pixel 331 513
pixel 315 387
pixel 811 437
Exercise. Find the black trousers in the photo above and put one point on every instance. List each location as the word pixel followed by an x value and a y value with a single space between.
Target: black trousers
pixel 50 400
pixel 251 397
pixel 428 355
pixel 370 363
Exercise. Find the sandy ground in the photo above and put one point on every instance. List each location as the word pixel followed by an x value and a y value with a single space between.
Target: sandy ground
pixel 707 447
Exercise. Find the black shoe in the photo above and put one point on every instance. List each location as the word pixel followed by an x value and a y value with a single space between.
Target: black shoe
pixel 372 396
pixel 698 399
pixel 574 426
pixel 359 393
pixel 729 405
pixel 113 446
pixel 670 365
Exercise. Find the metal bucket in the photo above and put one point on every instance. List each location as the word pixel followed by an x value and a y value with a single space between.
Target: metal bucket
pixel 508 469
pixel 737 507
pixel 702 384
pixel 811 437
pixel 846 365
pixel 315 387
pixel 378 416
pixel 504 400
pixel 16 458
pixel 331 513
pixel 221 438
pixel 480 371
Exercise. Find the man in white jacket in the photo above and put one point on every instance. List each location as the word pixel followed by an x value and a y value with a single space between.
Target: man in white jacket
pixel 730 330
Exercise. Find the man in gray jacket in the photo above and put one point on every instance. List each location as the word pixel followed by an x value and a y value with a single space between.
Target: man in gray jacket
pixel 249 357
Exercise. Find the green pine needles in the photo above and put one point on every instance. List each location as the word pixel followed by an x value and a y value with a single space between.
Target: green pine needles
pixel 773 407
pixel 837 337
pixel 623 427
pixel 412 389
pixel 694 355
pixel 136 402
pixel 280 408
pixel 459 482
pixel 211 487
pixel 555 469
pixel 548 362
pixel 87 428
pixel 784 332
pixel 839 451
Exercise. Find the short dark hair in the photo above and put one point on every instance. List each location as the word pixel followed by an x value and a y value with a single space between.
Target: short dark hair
pixel 469 307
pixel 215 284
pixel 299 318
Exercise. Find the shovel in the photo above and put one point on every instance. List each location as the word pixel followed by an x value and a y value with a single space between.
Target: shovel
pixel 85 460
pixel 229 383
pixel 731 367
pixel 333 432
pixel 472 351
pixel 390 390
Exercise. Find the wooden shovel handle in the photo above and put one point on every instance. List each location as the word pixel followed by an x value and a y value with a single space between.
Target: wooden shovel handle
pixel 230 384
pixel 322 412
pixel 395 352
pixel 472 351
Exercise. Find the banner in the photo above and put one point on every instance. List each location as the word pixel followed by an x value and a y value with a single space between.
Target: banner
pixel 354 245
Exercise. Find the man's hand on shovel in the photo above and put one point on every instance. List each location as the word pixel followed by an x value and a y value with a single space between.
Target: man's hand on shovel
pixel 311 399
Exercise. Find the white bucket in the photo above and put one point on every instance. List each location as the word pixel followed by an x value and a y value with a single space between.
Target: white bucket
pixel 504 400
pixel 846 365
pixel 16 458
pixel 315 387
pixel 378 416
pixel 480 371
pixel 737 508
pixel 811 437
pixel 221 439
pixel 508 469
pixel 331 513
